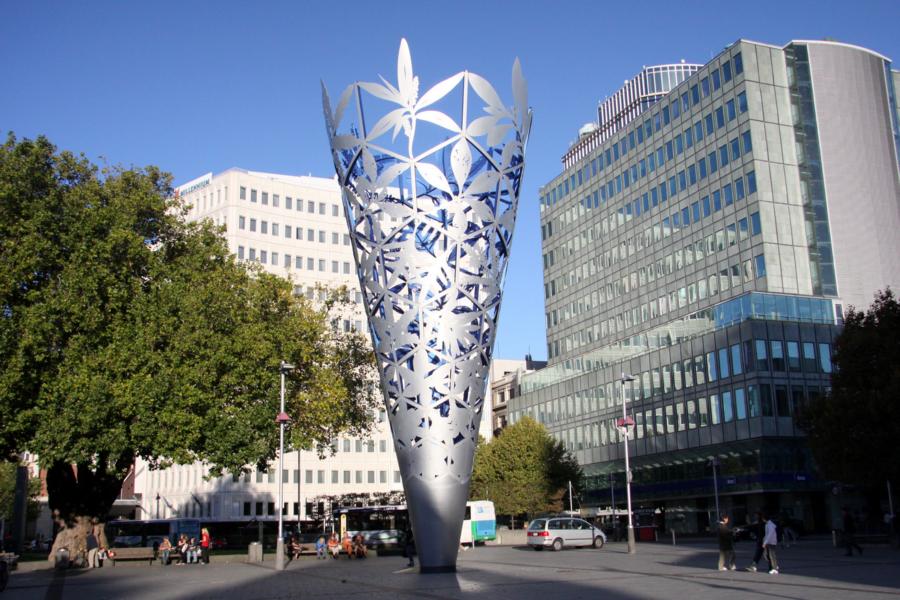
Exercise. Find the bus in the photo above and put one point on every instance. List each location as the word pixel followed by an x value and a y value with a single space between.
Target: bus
pixel 126 533
pixel 381 526
pixel 480 524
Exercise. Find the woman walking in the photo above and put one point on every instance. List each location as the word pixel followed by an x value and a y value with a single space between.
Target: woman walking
pixel 205 541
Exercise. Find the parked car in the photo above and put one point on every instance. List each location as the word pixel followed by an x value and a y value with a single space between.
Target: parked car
pixel 559 532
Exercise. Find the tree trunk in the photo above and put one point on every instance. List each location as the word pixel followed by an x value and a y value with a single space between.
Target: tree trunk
pixel 81 496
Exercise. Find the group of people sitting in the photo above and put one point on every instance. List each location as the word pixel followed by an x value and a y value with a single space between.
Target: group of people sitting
pixel 186 550
pixel 353 547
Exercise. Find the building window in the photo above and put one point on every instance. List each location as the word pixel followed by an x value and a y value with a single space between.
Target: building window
pixel 288 202
pixel 252 224
pixel 242 223
pixel 346 476
pixel 264 227
pixel 274 228
pixel 320 476
pixel 825 357
pixel 760 265
pixel 247 511
pixel 240 252
pixel 308 476
pixel 252 195
pixel 265 198
pixel 243 196
pixel 275 200
pixel 335 477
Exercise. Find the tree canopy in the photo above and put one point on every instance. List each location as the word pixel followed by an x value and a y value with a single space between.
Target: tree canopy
pixel 523 470
pixel 126 331
pixel 853 431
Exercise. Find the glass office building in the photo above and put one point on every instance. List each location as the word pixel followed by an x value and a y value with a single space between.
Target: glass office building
pixel 709 247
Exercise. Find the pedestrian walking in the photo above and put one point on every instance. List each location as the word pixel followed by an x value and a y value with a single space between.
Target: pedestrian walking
pixel 205 543
pixel 726 545
pixel 758 529
pixel 770 542
pixel 849 534
pixel 93 548
pixel 409 546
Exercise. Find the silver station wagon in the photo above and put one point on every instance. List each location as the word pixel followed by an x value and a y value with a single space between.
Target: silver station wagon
pixel 560 532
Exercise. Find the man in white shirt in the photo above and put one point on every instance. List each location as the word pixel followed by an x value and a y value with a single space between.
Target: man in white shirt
pixel 770 542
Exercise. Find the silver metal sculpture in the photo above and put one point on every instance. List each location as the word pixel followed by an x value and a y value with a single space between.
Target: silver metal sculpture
pixel 430 198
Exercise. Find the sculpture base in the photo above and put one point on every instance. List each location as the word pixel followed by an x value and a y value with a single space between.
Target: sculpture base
pixel 430 570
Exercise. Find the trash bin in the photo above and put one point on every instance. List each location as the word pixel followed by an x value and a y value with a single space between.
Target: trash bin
pixel 61 560
pixel 255 552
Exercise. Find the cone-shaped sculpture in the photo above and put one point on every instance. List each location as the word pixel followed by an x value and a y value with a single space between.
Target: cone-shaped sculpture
pixel 430 198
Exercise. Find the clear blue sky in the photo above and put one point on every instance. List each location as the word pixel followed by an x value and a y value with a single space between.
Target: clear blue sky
pixel 203 86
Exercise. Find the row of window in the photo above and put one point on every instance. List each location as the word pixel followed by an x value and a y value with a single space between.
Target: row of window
pixel 729 405
pixel 270 475
pixel 291 232
pixel 706 287
pixel 658 231
pixel 651 125
pixel 733 233
pixel 678 182
pixel 751 356
pixel 289 203
pixel 704 166
pixel 287 261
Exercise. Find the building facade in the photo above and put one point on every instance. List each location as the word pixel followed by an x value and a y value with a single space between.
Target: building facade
pixel 294 227
pixel 709 248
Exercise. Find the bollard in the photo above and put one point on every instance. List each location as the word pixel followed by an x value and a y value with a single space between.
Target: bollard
pixel 255 552
pixel 673 537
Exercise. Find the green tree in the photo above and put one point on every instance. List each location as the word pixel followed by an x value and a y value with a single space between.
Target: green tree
pixel 853 431
pixel 523 470
pixel 126 332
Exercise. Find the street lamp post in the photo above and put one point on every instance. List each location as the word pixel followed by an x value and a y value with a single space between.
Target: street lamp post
pixel 157 505
pixel 625 425
pixel 282 419
pixel 714 461
pixel 612 492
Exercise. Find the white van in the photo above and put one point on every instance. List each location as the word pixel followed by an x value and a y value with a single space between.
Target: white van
pixel 559 532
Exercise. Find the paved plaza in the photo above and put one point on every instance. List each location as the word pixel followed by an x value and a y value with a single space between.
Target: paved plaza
pixel 811 569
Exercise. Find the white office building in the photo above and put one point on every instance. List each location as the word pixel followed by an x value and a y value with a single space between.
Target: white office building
pixel 294 227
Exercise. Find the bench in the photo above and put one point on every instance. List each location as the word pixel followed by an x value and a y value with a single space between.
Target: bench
pixel 132 554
